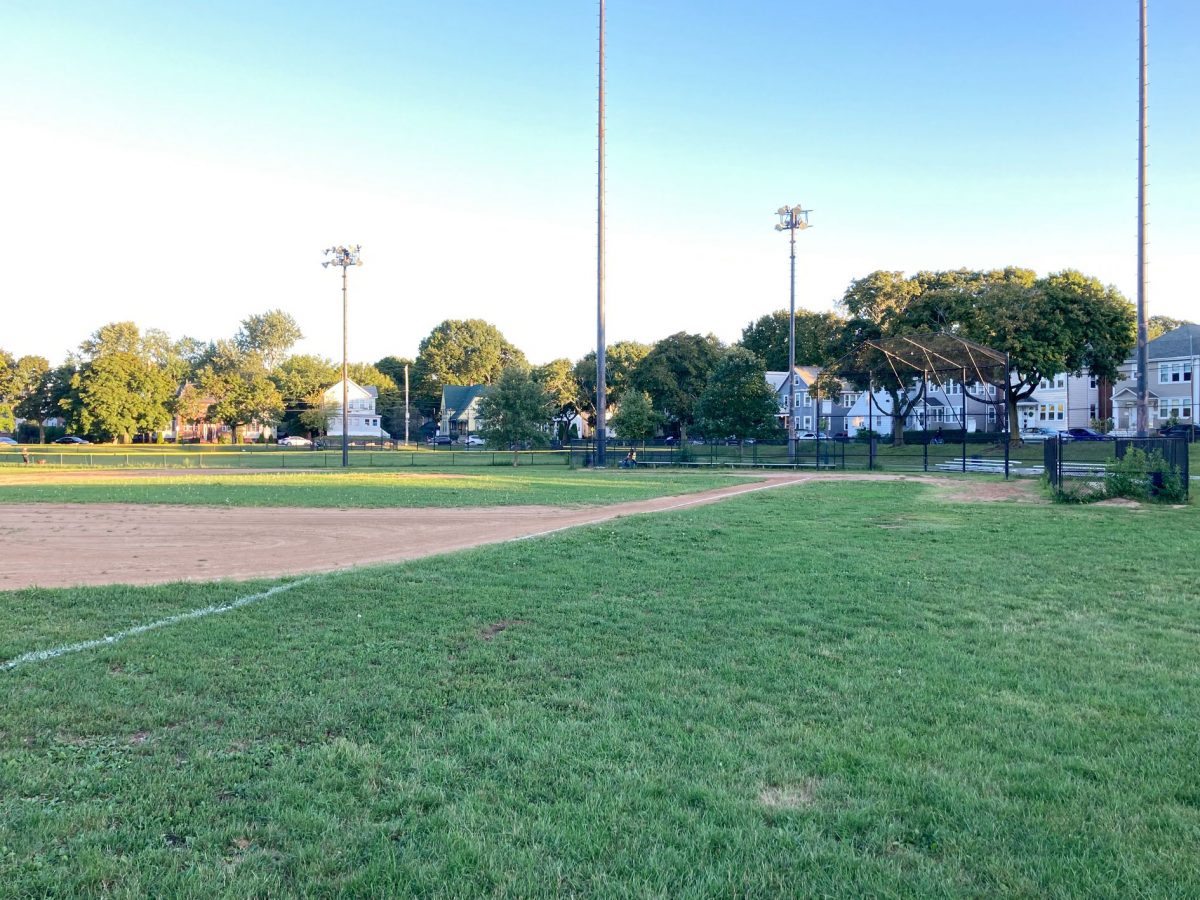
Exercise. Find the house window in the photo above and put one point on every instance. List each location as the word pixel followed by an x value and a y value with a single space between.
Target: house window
pixel 808 421
pixel 807 399
pixel 1060 381
pixel 1172 373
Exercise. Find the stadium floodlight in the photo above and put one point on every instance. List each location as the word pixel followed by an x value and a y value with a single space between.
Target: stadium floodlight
pixel 344 256
pixel 793 219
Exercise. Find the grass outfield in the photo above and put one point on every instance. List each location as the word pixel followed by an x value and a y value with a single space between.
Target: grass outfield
pixel 841 689
pixel 492 487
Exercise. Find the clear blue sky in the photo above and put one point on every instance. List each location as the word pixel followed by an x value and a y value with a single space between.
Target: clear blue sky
pixel 183 165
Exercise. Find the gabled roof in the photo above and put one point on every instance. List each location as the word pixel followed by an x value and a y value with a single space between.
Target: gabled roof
pixel 353 389
pixel 457 399
pixel 1181 341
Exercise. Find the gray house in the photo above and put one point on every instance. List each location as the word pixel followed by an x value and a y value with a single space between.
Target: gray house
pixel 1172 380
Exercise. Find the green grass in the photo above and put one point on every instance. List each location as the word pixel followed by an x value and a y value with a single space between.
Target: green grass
pixel 491 487
pixel 932 699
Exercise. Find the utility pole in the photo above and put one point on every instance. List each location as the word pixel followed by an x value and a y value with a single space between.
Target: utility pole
pixel 601 375
pixel 406 404
pixel 1143 352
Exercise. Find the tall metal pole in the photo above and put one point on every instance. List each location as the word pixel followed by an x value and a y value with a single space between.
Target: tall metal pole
pixel 1143 352
pixel 792 352
pixel 601 375
pixel 345 380
pixel 406 404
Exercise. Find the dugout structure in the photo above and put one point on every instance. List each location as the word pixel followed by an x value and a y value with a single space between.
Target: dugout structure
pixel 948 389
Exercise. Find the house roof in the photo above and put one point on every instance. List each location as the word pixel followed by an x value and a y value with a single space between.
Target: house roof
pixel 457 399
pixel 1181 341
pixel 1129 386
pixel 333 393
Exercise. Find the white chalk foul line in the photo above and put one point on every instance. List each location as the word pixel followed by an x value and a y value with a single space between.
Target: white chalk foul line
pixel 108 640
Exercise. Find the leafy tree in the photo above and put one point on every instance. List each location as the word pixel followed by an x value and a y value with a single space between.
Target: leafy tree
pixel 19 380
pixel 119 394
pixel 737 399
pixel 459 351
pixel 636 419
pixel 30 395
pixel 302 381
pixel 1157 326
pixel 820 338
pixel 268 336
pixel 115 337
pixel 675 373
pixel 516 410
pixel 1065 322
pixel 558 378
pixel 242 391
pixel 191 405
pixel 620 359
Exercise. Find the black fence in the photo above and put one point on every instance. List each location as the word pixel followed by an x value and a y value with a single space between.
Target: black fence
pixel 1068 462
pixel 986 453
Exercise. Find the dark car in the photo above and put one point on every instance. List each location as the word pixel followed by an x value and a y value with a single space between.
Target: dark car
pixel 72 439
pixel 1182 430
pixel 1084 434
pixel 442 440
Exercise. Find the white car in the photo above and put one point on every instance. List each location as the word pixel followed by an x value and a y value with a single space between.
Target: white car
pixel 474 440
pixel 294 440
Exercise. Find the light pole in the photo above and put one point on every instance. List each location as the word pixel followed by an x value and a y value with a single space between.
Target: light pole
pixel 1143 353
pixel 345 257
pixel 792 219
pixel 601 348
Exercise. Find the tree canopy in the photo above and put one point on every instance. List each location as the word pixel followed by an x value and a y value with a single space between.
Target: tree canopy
pixel 515 410
pixel 737 399
pixel 675 372
pixel 269 336
pixel 461 352
pixel 820 338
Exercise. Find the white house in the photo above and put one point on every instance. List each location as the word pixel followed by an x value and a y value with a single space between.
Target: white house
pixel 1064 401
pixel 942 406
pixel 363 420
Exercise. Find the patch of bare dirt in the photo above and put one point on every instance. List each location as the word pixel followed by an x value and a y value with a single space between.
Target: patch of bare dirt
pixel 496 627
pixel 792 796
pixel 20 476
pixel 1120 502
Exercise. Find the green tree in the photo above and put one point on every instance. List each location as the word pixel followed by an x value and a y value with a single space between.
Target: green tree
pixel 302 380
pixel 820 338
pixel 119 394
pixel 558 378
pixel 737 399
pixel 40 400
pixel 516 410
pixel 620 359
pixel 460 351
pixel 241 389
pixel 675 373
pixel 1065 322
pixel 1157 326
pixel 636 419
pixel 268 336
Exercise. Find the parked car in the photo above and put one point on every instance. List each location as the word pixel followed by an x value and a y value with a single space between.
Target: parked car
pixel 294 440
pixel 1183 430
pixel 806 435
pixel 474 440
pixel 1039 434
pixel 696 441
pixel 442 440
pixel 1084 434
pixel 7 441
pixel 72 439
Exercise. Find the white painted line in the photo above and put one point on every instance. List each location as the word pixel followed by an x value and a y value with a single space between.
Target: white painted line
pixel 108 640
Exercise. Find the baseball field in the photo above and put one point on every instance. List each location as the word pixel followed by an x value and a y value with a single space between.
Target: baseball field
pixel 593 684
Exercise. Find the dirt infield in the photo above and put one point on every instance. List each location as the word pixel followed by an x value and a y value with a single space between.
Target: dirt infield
pixel 63 545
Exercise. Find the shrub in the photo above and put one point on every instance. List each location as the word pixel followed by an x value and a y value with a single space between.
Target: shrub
pixel 1144 476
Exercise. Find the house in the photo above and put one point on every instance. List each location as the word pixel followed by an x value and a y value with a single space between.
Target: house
pixel 460 409
pixel 362 419
pixel 832 414
pixel 1172 380
pixel 1065 401
pixel 945 403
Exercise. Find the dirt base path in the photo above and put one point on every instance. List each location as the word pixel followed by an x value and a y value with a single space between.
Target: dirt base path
pixel 63 545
